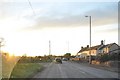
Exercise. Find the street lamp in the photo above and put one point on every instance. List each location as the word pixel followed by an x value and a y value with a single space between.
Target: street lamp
pixel 90 39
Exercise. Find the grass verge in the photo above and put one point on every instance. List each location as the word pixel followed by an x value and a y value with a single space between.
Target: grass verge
pixel 8 63
pixel 25 70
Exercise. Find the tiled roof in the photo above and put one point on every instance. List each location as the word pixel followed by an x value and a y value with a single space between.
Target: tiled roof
pixel 102 47
pixel 87 48
pixel 108 45
pixel 96 47
pixel 84 49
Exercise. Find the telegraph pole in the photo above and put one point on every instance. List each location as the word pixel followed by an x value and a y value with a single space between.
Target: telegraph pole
pixel 49 47
pixel 68 46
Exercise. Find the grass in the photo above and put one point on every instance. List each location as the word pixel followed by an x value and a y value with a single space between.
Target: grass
pixel 8 63
pixel 25 70
pixel 12 68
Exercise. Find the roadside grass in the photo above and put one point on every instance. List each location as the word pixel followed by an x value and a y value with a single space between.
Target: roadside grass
pixel 18 67
pixel 8 63
pixel 25 70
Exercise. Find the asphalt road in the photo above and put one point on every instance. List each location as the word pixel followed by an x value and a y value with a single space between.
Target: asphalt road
pixel 73 70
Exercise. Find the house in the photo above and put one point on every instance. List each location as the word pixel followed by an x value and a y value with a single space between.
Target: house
pixel 109 48
pixel 98 49
pixel 85 52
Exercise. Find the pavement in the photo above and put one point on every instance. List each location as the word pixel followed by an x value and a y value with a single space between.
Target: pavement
pixel 103 67
pixel 73 70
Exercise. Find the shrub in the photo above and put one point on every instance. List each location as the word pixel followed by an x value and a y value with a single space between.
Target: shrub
pixel 102 58
pixel 108 57
pixel 114 56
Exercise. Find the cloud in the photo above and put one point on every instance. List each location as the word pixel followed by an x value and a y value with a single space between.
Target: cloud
pixel 76 20
pixel 60 15
pixel 5 10
pixel 109 30
pixel 104 16
pixel 2 9
pixel 62 0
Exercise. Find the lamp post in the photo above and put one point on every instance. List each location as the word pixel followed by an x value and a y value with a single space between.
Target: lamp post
pixel 90 39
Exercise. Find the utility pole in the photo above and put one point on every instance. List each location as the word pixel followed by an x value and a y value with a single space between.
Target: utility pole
pixel 49 47
pixel 68 47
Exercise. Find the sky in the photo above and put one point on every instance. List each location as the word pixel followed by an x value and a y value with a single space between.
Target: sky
pixel 28 28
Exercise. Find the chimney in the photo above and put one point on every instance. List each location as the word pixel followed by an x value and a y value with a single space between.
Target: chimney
pixel 102 42
pixel 87 46
pixel 81 47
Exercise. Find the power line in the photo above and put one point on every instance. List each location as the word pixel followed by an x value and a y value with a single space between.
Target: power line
pixel 31 7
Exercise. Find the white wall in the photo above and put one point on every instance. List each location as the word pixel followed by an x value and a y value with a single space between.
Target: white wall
pixel 114 47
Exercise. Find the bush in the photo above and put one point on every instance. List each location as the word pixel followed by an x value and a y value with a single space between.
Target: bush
pixel 108 57
pixel 114 56
pixel 102 57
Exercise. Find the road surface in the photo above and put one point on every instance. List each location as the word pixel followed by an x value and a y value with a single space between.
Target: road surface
pixel 73 70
